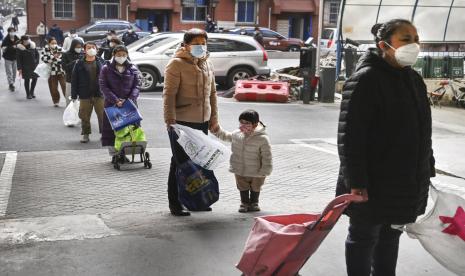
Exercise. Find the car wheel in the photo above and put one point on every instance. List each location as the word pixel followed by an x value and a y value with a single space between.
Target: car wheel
pixel 238 74
pixel 149 79
pixel 294 48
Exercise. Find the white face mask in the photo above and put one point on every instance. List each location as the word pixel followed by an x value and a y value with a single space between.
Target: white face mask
pixel 109 37
pixel 12 34
pixel 112 44
pixel 121 60
pixel 198 51
pixel 53 46
pixel 27 42
pixel 92 52
pixel 78 50
pixel 406 55
pixel 74 35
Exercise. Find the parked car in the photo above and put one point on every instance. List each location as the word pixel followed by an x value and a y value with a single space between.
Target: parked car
pixel 149 41
pixel 99 29
pixel 234 57
pixel 141 35
pixel 328 43
pixel 273 40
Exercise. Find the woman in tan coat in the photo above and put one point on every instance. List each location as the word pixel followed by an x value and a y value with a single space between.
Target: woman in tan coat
pixel 189 98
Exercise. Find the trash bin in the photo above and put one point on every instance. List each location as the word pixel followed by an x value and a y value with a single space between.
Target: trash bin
pixel 455 67
pixel 350 61
pixel 328 84
pixel 438 67
pixel 307 66
pixel 422 66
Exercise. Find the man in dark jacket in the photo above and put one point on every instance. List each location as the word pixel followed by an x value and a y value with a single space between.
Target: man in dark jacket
pixel 28 58
pixel 385 148
pixel 69 59
pixel 258 36
pixel 85 85
pixel 106 49
pixel 15 22
pixel 130 37
pixel 210 25
pixel 9 46
pixel 57 33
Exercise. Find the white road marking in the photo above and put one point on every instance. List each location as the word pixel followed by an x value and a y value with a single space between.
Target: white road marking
pixel 60 228
pixel 6 179
pixel 444 183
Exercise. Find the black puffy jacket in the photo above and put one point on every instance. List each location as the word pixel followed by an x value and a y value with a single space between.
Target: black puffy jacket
pixel 384 141
pixel 69 59
pixel 27 58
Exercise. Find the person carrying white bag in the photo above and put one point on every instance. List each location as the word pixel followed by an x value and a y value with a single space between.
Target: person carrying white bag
pixel 251 159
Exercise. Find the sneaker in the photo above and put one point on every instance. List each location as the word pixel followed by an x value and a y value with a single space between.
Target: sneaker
pixel 29 97
pixel 12 88
pixel 254 207
pixel 85 138
pixel 56 105
pixel 244 208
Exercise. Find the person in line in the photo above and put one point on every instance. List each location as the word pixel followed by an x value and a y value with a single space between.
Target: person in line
pixel 257 35
pixel 15 22
pixel 74 53
pixel 9 47
pixel 119 82
pixel 27 58
pixel 385 148
pixel 41 31
pixel 155 29
pixel 251 159
pixel 85 85
pixel 209 25
pixel 72 36
pixel 57 33
pixel 189 98
pixel 52 55
pixel 106 49
pixel 130 37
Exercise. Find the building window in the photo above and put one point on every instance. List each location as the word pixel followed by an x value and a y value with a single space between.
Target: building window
pixel 245 11
pixel 333 12
pixel 194 10
pixel 63 9
pixel 105 9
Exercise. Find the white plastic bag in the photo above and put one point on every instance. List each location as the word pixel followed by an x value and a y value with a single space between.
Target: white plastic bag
pixel 203 150
pixel 43 70
pixel 71 114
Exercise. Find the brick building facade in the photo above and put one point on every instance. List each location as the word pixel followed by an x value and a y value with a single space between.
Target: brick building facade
pixel 293 18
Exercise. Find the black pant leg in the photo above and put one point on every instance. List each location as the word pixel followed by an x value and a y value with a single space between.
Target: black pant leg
pixel 26 86
pixel 33 86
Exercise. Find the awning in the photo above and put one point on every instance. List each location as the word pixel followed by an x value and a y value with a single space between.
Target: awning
pixel 305 6
pixel 152 5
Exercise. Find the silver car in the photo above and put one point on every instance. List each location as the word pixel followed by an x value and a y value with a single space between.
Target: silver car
pixel 234 57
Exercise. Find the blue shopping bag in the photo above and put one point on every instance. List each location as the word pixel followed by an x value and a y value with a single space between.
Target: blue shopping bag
pixel 121 117
pixel 197 187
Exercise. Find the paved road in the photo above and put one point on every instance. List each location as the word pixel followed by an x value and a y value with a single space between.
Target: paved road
pixel 65 211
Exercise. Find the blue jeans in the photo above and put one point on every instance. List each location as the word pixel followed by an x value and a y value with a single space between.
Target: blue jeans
pixel 371 249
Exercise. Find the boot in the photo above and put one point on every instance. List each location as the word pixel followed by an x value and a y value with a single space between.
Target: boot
pixel 245 202
pixel 12 87
pixel 254 201
pixel 85 138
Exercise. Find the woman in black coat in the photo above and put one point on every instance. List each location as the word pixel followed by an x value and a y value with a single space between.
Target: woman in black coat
pixel 69 58
pixel 385 148
pixel 27 58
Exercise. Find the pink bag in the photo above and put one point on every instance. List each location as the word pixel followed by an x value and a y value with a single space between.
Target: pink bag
pixel 280 245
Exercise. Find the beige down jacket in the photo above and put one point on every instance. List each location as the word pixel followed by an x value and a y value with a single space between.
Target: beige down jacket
pixel 251 154
pixel 189 92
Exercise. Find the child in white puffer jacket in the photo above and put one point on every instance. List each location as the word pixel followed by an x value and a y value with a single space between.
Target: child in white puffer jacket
pixel 251 159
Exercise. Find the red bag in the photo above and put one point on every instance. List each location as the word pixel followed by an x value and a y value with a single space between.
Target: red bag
pixel 280 245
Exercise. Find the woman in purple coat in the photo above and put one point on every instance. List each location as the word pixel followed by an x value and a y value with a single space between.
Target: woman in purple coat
pixel 119 81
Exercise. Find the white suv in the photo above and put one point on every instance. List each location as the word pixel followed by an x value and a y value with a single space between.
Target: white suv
pixel 234 57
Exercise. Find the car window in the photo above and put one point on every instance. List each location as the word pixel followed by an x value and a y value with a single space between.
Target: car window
pixel 161 42
pixel 140 42
pixel 327 34
pixel 119 27
pixel 226 45
pixel 269 34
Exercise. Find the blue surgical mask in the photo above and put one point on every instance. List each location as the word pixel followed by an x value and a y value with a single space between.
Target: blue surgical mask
pixel 198 51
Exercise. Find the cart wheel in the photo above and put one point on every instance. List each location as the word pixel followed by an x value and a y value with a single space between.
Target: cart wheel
pixel 149 165
pixel 147 156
